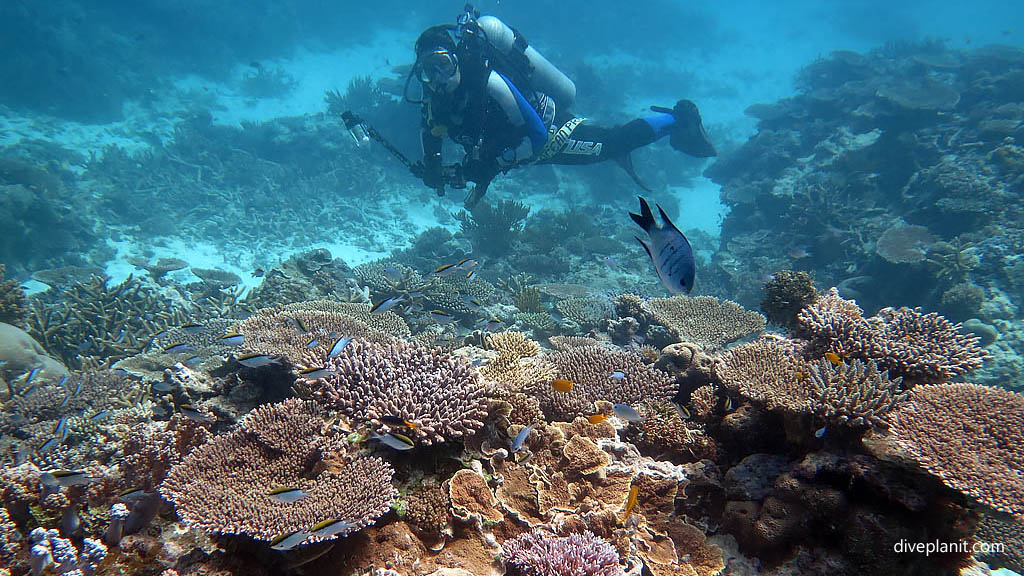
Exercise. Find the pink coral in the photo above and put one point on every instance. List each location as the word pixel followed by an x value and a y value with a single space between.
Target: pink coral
pixel 544 554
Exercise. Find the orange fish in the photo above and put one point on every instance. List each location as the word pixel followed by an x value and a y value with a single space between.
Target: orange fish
pixel 596 418
pixel 561 385
pixel 833 358
pixel 634 491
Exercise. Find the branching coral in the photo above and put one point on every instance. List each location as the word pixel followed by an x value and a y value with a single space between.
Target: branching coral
pixel 493 229
pixel 585 312
pixel 544 554
pixel 856 394
pixel 968 435
pixel 905 342
pixel 94 319
pixel 704 320
pixel 13 309
pixel 439 393
pixel 224 486
pixel 768 372
pixel 592 370
pixel 303 333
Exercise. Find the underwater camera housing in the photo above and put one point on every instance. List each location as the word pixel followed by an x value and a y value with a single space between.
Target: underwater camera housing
pixel 356 127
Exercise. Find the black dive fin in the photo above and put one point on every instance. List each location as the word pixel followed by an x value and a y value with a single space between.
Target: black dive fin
pixel 645 219
pixel 626 162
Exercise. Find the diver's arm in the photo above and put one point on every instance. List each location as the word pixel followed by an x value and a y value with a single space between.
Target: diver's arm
pixel 522 116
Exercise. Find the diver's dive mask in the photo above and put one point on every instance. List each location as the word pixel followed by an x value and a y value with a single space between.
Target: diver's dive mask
pixel 437 67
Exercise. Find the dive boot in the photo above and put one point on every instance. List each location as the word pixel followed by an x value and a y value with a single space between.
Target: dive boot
pixel 687 132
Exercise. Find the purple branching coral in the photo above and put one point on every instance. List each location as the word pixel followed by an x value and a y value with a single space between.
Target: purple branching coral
pixel 921 348
pixel 544 554
pixel 440 393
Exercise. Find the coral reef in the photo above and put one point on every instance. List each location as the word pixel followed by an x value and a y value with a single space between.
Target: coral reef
pixel 856 395
pixel 704 320
pixel 224 487
pixel 13 308
pixel 981 455
pixel 544 554
pixel 786 294
pixel 494 228
pixel 439 393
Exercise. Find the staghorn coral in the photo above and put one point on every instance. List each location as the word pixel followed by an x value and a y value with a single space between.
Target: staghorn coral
pixel 980 455
pixel 95 320
pixel 538 324
pixel 767 372
pixel 493 229
pixel 564 343
pixel 150 450
pixel 854 394
pixel 541 553
pixel 905 342
pixel 703 401
pixel 223 486
pixel 591 369
pixel 704 320
pixel 204 349
pixel 13 309
pixel 439 392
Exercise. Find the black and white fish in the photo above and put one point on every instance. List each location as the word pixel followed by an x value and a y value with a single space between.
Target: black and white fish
pixel 669 250
pixel 386 304
pixel 288 541
pixel 255 360
pixel 398 442
pixel 338 346
pixel 55 478
pixel 331 527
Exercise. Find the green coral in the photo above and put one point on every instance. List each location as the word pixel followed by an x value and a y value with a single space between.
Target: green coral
pixel 13 308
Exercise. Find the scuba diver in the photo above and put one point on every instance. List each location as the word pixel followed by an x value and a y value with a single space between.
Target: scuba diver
pixel 487 89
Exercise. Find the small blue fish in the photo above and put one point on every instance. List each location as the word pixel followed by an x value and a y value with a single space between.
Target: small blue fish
pixel 255 360
pixel 297 324
pixel 441 317
pixel 177 347
pixel 395 441
pixel 627 413
pixel 287 495
pixel 191 360
pixel 193 328
pixel 61 430
pixel 490 325
pixel 31 376
pixel 338 346
pixel 470 302
pixel 444 270
pixel 49 445
pixel 820 432
pixel 466 264
pixel 393 275
pixel 520 439
pixel 331 527
pixel 100 416
pixel 78 388
pixel 617 375
pixel 316 373
pixel 386 304
pixel 132 495
pixel 312 343
pixel 471 275
pixel 289 540
pixel 63 380
pixel 669 250
pixel 232 339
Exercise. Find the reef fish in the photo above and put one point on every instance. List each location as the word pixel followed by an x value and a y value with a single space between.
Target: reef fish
pixel 65 478
pixel 520 439
pixel 627 413
pixel 395 441
pixel 189 411
pixel 466 264
pixel 290 540
pixel 255 360
pixel 232 339
pixel 316 373
pixel 287 495
pixel 561 385
pixel 441 317
pixel 338 346
pixel 386 304
pixel 669 250
pixel 617 375
pixel 596 418
pixel 177 348
pixel 397 421
pixel 833 358
pixel 634 492
pixel 820 432
pixel 332 527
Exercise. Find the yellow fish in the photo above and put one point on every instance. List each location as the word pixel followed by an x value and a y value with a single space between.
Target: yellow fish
pixel 634 491
pixel 596 418
pixel 561 385
pixel 833 358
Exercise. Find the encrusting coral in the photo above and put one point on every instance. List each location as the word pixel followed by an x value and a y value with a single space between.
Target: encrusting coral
pixel 224 487
pixel 439 393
